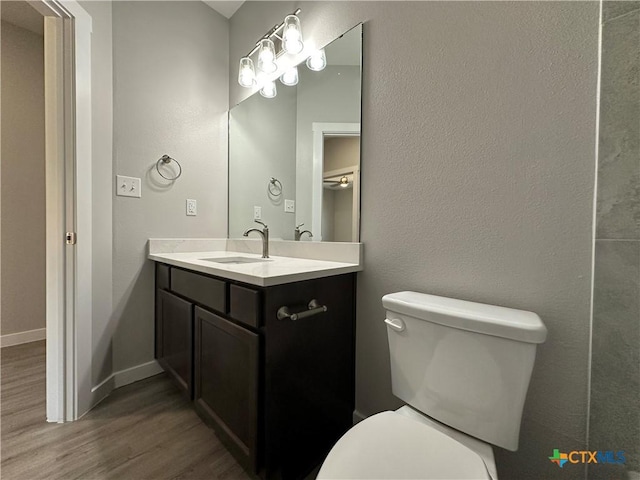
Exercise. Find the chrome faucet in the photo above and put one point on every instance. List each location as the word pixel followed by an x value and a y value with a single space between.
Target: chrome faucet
pixel 297 234
pixel 265 237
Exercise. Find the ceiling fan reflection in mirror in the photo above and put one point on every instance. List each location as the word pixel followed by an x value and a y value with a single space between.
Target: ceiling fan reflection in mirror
pixel 338 182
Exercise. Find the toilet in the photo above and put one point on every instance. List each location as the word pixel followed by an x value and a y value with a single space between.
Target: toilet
pixel 463 368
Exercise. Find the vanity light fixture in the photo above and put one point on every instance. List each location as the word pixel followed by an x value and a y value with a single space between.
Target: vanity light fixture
pixel 292 35
pixel 291 41
pixel 267 56
pixel 317 60
pixel 246 72
pixel 344 181
pixel 289 33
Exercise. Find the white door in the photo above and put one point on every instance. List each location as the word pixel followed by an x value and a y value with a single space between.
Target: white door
pixel 68 207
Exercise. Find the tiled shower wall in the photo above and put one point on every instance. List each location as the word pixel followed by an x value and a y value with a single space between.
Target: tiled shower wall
pixel 615 387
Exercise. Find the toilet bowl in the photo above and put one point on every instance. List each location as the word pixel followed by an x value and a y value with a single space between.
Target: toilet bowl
pixel 464 369
pixel 401 445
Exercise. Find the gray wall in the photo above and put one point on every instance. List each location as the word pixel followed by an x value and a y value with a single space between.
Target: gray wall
pixel 23 181
pixel 615 381
pixel 478 152
pixel 262 144
pixel 170 63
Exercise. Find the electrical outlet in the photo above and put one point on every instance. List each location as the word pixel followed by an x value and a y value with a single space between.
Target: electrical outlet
pixel 192 207
pixel 290 206
pixel 257 213
pixel 128 186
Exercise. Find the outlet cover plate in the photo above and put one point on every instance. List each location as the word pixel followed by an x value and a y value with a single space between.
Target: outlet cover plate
pixel 290 206
pixel 192 207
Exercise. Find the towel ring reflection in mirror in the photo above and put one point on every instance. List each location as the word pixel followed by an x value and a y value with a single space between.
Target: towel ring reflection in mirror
pixel 166 160
pixel 275 187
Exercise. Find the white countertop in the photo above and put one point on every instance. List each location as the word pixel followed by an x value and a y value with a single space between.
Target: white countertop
pixel 277 270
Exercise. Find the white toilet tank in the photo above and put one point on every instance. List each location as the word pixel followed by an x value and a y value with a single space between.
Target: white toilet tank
pixel 462 363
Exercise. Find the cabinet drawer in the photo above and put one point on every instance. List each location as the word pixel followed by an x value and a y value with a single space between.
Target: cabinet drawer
pixel 244 305
pixel 203 290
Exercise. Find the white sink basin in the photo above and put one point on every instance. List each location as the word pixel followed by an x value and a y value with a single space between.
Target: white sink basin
pixel 235 260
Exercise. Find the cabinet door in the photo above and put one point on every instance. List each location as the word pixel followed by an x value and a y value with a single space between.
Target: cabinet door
pixel 226 382
pixel 174 335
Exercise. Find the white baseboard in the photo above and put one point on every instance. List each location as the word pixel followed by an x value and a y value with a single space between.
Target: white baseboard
pixel 122 378
pixel 19 338
pixel 102 391
pixel 137 373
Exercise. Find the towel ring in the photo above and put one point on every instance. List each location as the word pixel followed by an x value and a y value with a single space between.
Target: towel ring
pixel 275 187
pixel 166 159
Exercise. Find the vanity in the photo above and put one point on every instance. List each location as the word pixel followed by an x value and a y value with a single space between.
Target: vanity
pixel 264 350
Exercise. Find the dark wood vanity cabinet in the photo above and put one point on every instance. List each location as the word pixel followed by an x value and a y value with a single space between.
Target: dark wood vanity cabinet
pixel 278 392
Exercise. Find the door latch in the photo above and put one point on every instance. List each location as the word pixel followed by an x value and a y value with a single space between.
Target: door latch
pixel 70 238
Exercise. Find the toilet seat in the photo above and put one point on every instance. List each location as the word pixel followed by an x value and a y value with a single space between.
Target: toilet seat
pixel 391 446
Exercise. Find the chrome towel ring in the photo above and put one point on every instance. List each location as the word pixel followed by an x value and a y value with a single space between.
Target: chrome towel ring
pixel 166 159
pixel 275 187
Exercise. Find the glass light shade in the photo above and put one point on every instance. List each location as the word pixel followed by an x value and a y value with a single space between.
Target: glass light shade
pixel 290 77
pixel 317 61
pixel 268 90
pixel 246 72
pixel 292 35
pixel 344 182
pixel 267 56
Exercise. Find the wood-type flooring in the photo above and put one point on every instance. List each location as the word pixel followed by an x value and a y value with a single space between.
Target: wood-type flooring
pixel 146 430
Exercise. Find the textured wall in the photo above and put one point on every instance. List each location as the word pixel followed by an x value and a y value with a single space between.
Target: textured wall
pixel 477 180
pixel 615 381
pixel 170 62
pixel 23 181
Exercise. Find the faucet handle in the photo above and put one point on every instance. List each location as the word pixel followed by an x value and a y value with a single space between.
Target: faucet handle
pixel 298 226
pixel 262 223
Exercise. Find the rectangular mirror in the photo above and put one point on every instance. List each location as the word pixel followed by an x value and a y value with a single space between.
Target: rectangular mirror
pixel 294 160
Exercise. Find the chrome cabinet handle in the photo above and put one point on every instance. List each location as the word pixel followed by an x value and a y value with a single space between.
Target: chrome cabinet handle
pixel 314 309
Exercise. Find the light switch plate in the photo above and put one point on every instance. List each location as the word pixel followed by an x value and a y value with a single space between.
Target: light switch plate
pixel 257 213
pixel 128 186
pixel 192 207
pixel 290 206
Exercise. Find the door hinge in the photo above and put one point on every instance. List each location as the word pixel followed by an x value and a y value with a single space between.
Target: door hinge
pixel 70 237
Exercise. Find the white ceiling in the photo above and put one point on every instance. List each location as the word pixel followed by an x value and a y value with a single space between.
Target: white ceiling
pixel 23 15
pixel 226 8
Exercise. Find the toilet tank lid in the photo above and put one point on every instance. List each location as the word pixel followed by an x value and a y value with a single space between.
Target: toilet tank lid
pixel 503 322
